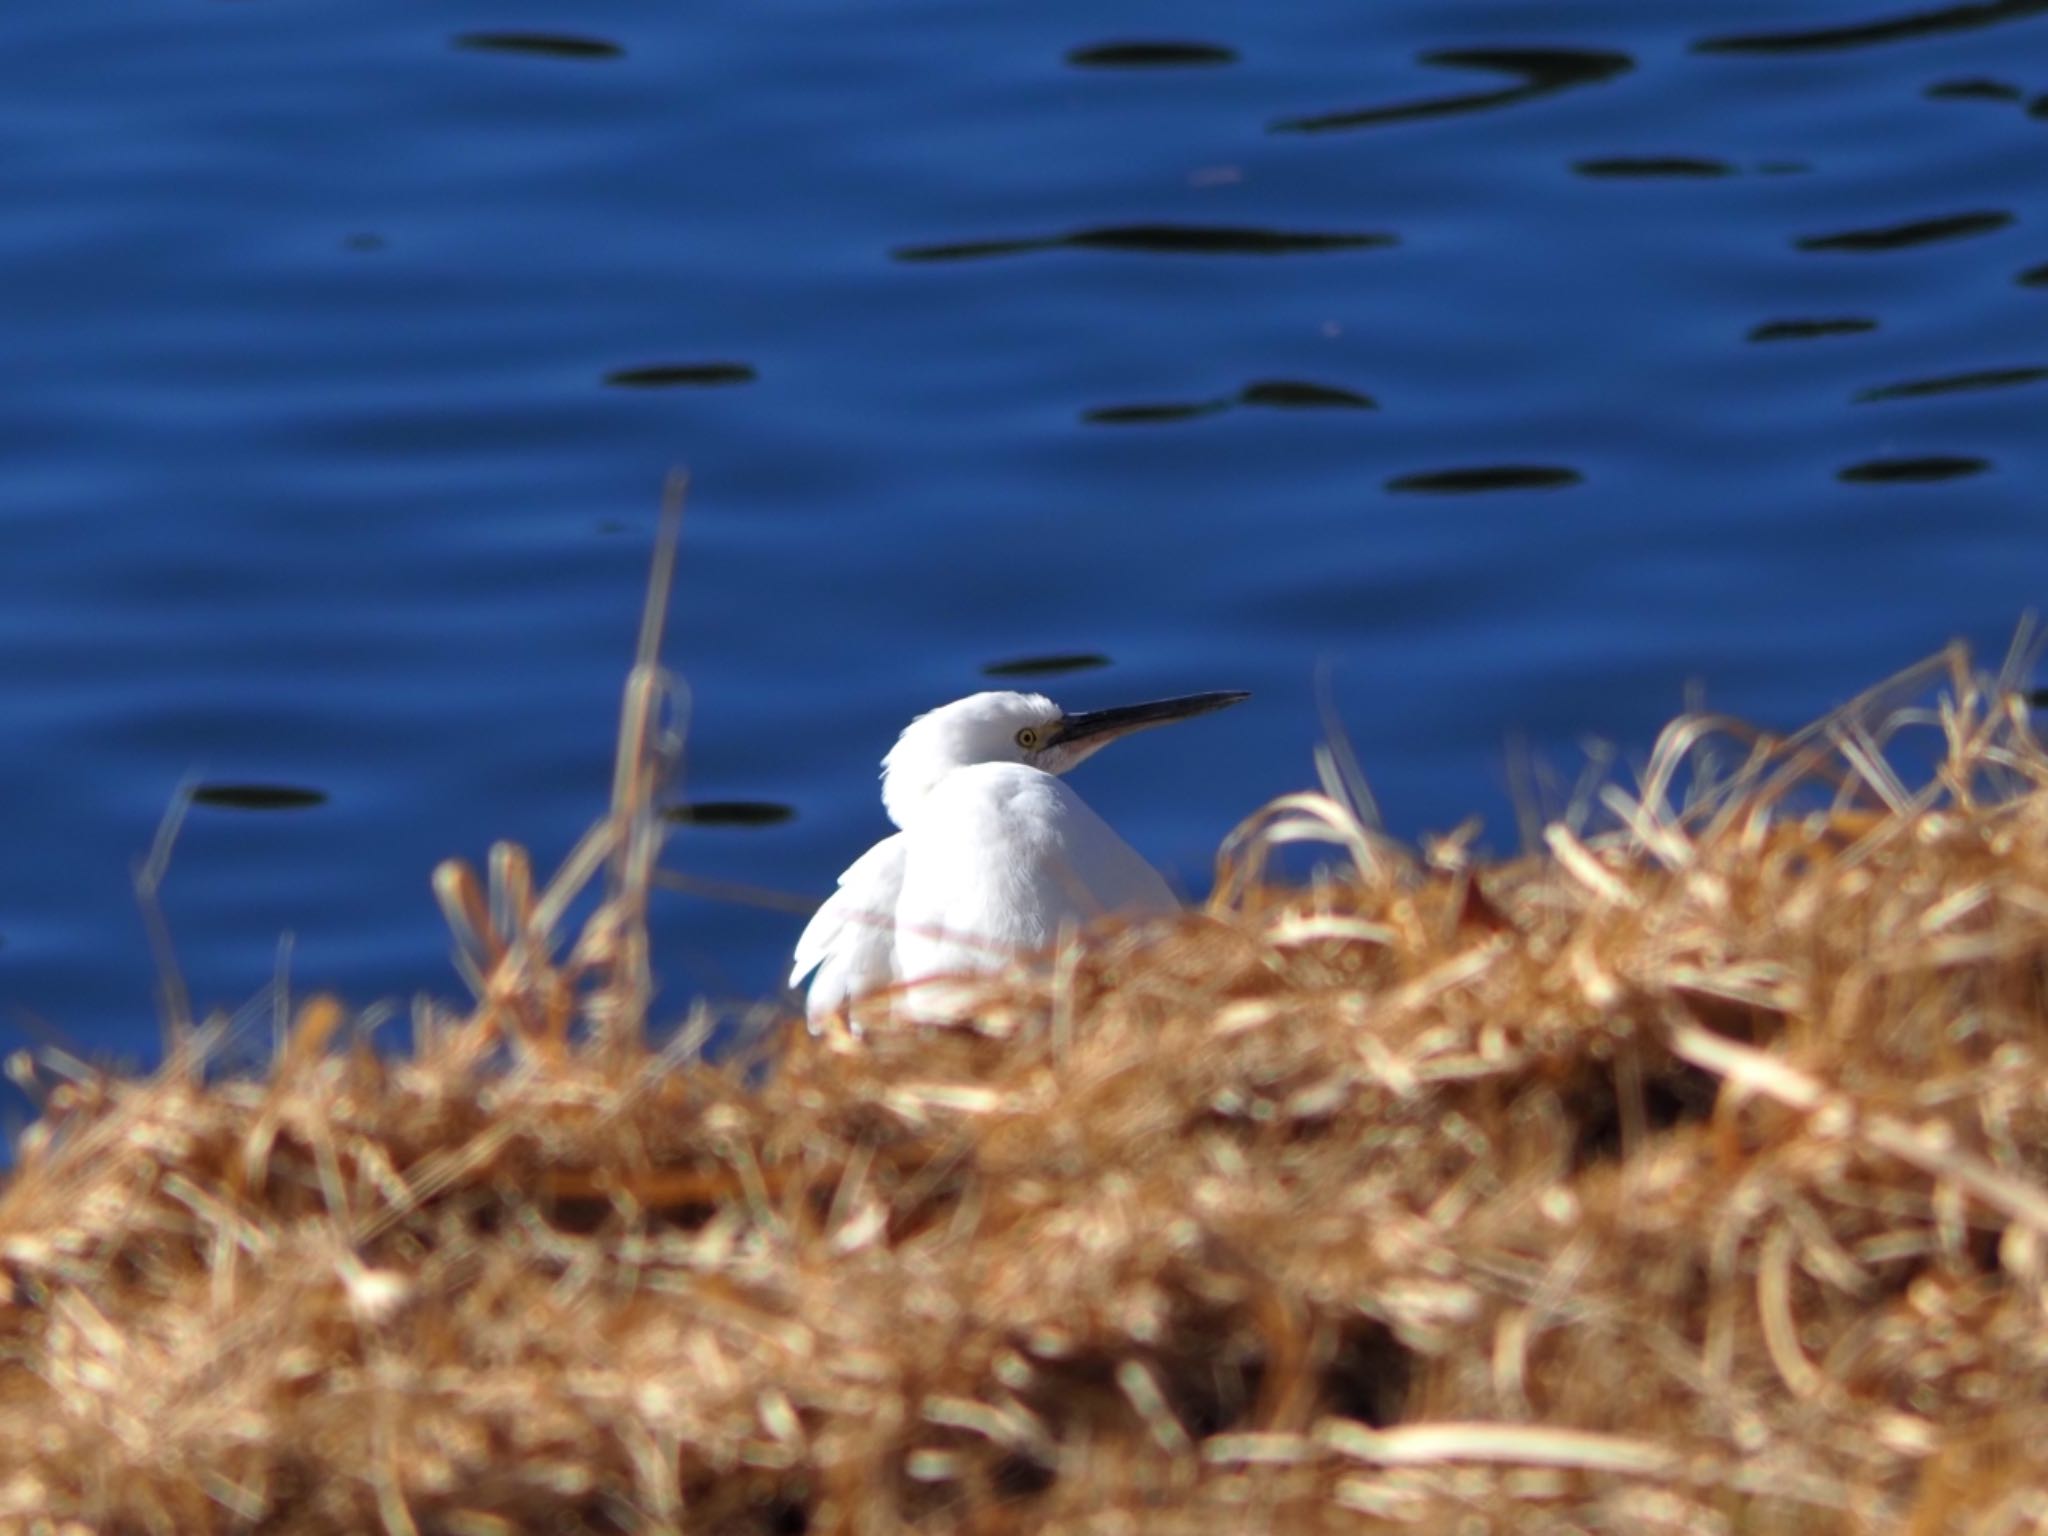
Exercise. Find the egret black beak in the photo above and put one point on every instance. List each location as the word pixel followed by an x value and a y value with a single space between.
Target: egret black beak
pixel 1101 726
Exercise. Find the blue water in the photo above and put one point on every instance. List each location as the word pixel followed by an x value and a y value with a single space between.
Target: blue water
pixel 1416 340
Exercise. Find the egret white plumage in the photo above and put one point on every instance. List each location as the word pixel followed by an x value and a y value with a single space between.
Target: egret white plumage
pixel 994 854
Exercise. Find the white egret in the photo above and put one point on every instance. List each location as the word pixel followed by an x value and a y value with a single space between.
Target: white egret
pixel 994 856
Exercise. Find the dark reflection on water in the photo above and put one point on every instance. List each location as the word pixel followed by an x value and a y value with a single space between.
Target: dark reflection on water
pixel 678 375
pixel 1152 413
pixel 1543 72
pixel 1914 471
pixel 1891 29
pixel 259 797
pixel 1654 166
pixel 1954 383
pixel 1156 239
pixel 2034 277
pixel 1487 477
pixel 552 45
pixel 1809 330
pixel 730 813
pixel 1261 394
pixel 363 242
pixel 2039 107
pixel 1045 666
pixel 1899 237
pixel 1977 88
pixel 1299 395
pixel 1150 55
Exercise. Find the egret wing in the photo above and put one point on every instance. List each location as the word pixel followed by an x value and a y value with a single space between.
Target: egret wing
pixel 999 858
pixel 851 940
pixel 1114 875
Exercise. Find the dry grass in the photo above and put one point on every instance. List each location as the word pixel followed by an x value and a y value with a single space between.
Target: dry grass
pixel 1693 1177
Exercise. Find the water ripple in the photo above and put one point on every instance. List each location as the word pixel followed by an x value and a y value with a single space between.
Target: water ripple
pixel 1487 477
pixel 1152 413
pixel 1899 237
pixel 1866 34
pixel 1810 330
pixel 1169 239
pixel 1260 394
pixel 730 813
pixel 1045 666
pixel 1151 55
pixel 550 45
pixel 1920 470
pixel 1954 383
pixel 1300 395
pixel 1543 72
pixel 681 375
pixel 259 797
pixel 1976 88
pixel 1619 167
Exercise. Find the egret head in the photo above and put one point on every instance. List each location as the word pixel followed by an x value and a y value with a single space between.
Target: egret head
pixel 1025 728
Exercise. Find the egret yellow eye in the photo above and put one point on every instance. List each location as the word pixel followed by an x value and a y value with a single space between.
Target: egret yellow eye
pixel 1027 739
